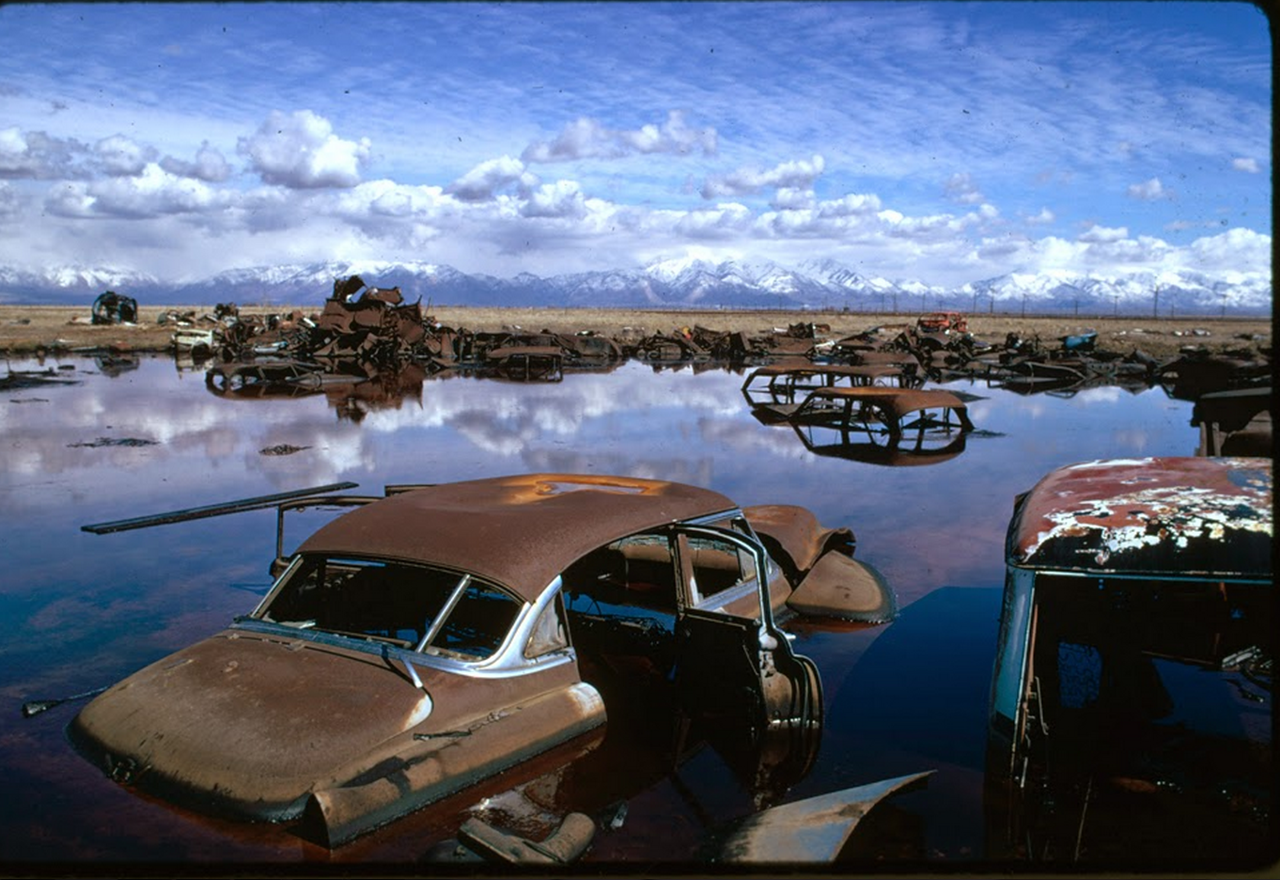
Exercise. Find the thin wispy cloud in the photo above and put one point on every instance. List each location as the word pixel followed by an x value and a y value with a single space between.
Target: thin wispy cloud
pixel 945 142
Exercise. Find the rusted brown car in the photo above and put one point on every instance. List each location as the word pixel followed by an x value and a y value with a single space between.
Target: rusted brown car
pixel 439 635
pixel 1131 701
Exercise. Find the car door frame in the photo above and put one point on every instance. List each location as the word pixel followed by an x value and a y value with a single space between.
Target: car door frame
pixel 787 685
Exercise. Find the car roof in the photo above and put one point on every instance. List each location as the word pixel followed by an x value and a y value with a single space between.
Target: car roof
pixel 898 401
pixel 520 530
pixel 1170 516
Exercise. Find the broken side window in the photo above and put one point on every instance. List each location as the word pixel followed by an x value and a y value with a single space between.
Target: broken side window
pixel 548 632
pixel 717 566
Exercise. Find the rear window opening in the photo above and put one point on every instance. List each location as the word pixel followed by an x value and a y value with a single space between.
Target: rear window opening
pixel 416 607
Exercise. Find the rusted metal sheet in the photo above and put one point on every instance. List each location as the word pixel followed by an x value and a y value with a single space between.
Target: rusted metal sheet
pixel 1179 515
pixel 521 530
pixel 844 587
pixel 795 533
pixel 814 830
pixel 563 846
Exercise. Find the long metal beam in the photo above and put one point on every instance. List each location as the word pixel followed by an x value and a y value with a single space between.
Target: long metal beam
pixel 190 513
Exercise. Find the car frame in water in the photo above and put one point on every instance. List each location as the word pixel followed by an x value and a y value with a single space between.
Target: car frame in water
pixel 437 636
pixel 1131 699
pixel 918 421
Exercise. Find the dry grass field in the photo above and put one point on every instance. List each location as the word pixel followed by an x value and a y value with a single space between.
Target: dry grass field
pixel 28 329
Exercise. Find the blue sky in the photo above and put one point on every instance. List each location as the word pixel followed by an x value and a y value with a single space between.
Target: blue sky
pixel 940 141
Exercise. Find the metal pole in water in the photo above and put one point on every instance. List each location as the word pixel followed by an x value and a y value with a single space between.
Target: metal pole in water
pixel 211 510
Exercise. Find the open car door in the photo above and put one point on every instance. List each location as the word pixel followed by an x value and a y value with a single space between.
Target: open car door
pixel 737 667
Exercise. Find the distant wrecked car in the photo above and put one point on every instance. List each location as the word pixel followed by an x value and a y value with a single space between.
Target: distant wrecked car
pixel 438 636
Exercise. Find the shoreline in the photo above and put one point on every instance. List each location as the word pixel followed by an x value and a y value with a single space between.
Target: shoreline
pixel 64 329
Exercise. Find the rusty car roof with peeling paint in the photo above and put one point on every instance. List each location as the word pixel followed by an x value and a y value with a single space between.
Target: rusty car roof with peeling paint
pixel 1172 516
pixel 520 531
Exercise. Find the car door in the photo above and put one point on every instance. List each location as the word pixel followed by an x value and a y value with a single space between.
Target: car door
pixel 732 661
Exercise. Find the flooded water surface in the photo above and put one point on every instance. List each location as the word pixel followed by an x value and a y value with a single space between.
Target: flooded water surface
pixel 112 441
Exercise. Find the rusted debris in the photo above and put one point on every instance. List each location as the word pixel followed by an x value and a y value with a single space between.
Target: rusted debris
pixel 115 308
pixel 281 449
pixel 114 441
pixel 19 379
pixel 945 323
pixel 363 330
pixel 1198 371
pixel 811 831
pixel 563 846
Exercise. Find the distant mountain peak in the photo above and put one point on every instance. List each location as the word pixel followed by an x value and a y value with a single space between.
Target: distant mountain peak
pixel 687 281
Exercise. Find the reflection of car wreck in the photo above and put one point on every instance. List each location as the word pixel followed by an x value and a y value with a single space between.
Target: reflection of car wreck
pixel 775 390
pixel 891 424
pixel 434 638
pixel 1130 716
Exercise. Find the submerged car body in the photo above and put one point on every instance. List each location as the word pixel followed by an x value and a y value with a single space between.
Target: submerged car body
pixel 775 391
pixel 917 421
pixel 1130 714
pixel 432 638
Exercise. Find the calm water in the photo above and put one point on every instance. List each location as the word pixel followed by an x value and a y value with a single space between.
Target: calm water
pixel 83 610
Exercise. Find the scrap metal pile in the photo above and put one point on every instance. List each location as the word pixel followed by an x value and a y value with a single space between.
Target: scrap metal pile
pixel 370 334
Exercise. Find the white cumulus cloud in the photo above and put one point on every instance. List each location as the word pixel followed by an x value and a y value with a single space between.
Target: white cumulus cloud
pixel 1243 163
pixel 484 181
pixel 1097 234
pixel 209 165
pixel 37 156
pixel 300 151
pixel 797 174
pixel 561 199
pixel 153 193
pixel 121 156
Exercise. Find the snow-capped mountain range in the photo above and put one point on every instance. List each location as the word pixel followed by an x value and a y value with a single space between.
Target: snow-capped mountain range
pixel 671 284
